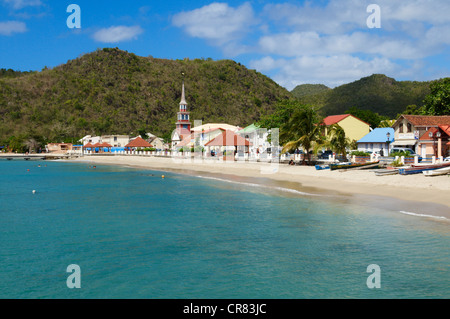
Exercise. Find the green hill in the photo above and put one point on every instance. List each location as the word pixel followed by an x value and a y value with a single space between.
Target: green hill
pixel 309 89
pixel 111 91
pixel 377 93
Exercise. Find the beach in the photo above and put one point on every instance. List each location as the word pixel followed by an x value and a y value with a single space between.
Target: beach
pixel 412 188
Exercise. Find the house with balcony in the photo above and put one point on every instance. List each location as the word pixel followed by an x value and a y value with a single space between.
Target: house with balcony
pixel 409 129
pixel 435 142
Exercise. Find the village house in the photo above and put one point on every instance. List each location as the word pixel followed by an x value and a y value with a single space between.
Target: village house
pixel 59 148
pixel 377 141
pixel 113 140
pixel 258 137
pixel 354 128
pixel 410 129
pixel 435 142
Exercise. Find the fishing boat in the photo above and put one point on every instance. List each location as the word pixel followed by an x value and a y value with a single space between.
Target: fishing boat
pixel 322 167
pixel 354 166
pixel 384 172
pixel 417 169
pixel 389 171
pixel 437 172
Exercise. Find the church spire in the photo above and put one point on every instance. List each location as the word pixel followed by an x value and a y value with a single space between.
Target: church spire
pixel 183 95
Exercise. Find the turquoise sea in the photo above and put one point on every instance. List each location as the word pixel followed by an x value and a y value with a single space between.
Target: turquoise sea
pixel 136 235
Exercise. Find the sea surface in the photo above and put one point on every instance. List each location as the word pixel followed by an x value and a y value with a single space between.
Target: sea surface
pixel 134 234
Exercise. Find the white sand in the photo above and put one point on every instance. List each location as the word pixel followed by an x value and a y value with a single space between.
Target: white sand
pixel 415 188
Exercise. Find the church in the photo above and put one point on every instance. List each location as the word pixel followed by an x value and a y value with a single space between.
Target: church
pixel 183 124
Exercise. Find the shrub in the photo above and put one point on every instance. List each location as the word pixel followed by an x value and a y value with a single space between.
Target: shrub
pixel 359 153
pixel 400 154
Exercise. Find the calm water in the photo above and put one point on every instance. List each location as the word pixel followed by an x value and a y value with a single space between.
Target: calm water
pixel 135 235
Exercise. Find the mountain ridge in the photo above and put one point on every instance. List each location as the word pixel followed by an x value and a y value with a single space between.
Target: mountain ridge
pixel 377 93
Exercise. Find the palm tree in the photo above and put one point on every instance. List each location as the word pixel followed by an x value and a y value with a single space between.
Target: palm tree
pixel 337 140
pixel 302 130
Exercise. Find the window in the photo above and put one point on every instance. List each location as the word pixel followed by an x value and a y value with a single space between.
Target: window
pixel 401 129
pixel 409 128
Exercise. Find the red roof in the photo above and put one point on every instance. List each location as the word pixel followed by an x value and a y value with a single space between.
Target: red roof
pixel 185 141
pixel 88 145
pixel 228 138
pixel 444 129
pixel 105 145
pixel 335 119
pixel 422 120
pixel 138 142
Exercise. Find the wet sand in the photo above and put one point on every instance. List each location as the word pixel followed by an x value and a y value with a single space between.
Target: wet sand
pixel 430 194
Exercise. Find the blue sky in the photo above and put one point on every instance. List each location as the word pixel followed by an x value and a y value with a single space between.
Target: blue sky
pixel 293 42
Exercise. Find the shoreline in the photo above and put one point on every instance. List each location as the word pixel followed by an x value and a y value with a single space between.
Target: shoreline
pixel 417 191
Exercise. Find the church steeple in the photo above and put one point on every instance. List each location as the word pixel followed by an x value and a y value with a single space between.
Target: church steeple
pixel 183 96
pixel 183 123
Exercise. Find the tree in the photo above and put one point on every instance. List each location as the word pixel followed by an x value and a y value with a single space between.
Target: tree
pixel 302 130
pixel 367 116
pixel 438 101
pixel 337 141
pixel 283 112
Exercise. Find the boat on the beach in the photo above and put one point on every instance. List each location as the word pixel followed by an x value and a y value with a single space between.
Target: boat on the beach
pixel 389 171
pixel 322 167
pixel 384 172
pixel 437 172
pixel 417 169
pixel 354 166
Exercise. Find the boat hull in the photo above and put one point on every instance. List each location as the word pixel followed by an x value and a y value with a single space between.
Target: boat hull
pixel 437 172
pixel 417 169
pixel 353 166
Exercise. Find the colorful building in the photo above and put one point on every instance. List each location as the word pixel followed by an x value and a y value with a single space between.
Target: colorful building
pixel 354 128
pixel 377 141
pixel 435 142
pixel 409 129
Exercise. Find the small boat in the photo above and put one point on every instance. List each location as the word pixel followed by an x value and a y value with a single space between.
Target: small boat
pixel 428 165
pixel 437 172
pixel 354 166
pixel 383 172
pixel 322 167
pixel 417 169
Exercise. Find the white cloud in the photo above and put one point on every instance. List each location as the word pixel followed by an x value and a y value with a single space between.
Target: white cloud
pixel 10 27
pixel 216 22
pixel 20 4
pixel 312 42
pixel 116 34
pixel 329 70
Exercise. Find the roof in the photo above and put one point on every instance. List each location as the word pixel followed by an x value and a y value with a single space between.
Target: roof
pixel 89 145
pixel 138 142
pixel 335 119
pixel 378 135
pixel 249 129
pixel 445 129
pixel 185 141
pixel 210 126
pixel 228 138
pixel 424 120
